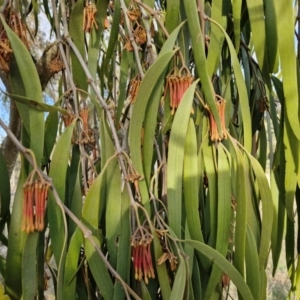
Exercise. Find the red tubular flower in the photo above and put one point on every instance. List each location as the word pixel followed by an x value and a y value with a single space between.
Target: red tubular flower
pixel 221 110
pixel 35 195
pixel 178 83
pixel 141 254
pixel 29 212
pixel 214 134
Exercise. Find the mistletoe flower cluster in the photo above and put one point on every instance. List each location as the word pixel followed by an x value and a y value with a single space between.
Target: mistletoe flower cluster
pixel 141 254
pixel 35 196
pixel 178 82
pixel 214 134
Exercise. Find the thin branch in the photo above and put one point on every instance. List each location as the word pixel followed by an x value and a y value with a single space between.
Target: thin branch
pixel 131 38
pixel 87 233
pixel 92 83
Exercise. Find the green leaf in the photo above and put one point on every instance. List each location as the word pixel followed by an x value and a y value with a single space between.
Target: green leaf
pixel 286 44
pixel 175 159
pixel 191 183
pixel 219 12
pixel 124 247
pixel 179 285
pixel 29 271
pixel 197 41
pixel 99 270
pixel 243 96
pixel 114 204
pixel 224 217
pixel 225 266
pixel 267 210
pixel 56 218
pixel 13 276
pixel 139 110
pixel 32 89
pixel 51 127
pixel 252 265
pixel 77 35
pixel 36 105
pixel 71 265
pixel 4 187
pixel 236 12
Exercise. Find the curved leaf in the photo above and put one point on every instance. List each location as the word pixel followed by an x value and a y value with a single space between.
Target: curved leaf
pixel 225 266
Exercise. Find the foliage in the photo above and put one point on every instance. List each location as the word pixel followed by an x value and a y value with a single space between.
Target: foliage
pixel 155 150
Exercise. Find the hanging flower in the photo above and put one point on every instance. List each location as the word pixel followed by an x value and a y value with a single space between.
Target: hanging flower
pixel 89 20
pixel 214 134
pixel 35 196
pixel 141 254
pixel 178 82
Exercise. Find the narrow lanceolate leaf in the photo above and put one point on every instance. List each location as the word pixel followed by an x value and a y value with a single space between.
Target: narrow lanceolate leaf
pixel 291 157
pixel 51 126
pixel 224 217
pixel 29 270
pixel 162 272
pixel 124 253
pixel 179 285
pixel 150 81
pixel 257 23
pixel 32 88
pixel 90 215
pixel 37 105
pixel 271 36
pixel 71 265
pixel 113 204
pixel 58 174
pixel 172 16
pixel 13 276
pixel 225 266
pixel 286 44
pixel 267 210
pixel 197 39
pixel 4 187
pixel 191 183
pixel 252 266
pixel 236 12
pixel 56 217
pixel 210 225
pixel 175 160
pixel 99 270
pixel 243 96
pixel 219 14
pixel 77 35
pixel 241 210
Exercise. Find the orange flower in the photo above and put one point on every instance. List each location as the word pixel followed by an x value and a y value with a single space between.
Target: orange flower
pixel 89 20
pixel 214 134
pixel 35 196
pixel 178 83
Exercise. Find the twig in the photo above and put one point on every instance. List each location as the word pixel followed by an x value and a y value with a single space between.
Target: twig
pixel 87 233
pixel 92 83
pixel 131 38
